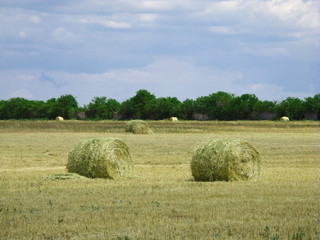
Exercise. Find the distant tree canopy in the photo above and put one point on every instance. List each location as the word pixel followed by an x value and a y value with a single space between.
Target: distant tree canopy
pixel 64 106
pixel 138 105
pixel 145 105
pixel 102 108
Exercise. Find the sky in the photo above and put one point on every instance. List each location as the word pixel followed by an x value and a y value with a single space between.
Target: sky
pixel 172 48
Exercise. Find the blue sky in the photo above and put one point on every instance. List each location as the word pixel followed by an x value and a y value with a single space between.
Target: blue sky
pixel 181 48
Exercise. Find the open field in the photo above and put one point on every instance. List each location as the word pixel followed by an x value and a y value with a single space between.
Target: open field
pixel 161 200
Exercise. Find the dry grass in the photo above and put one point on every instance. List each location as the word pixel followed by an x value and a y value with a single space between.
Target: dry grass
pixel 158 126
pixel 65 176
pixel 161 201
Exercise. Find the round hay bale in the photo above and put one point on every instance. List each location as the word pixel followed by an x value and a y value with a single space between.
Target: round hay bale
pixel 173 119
pixel 100 158
pixel 225 160
pixel 59 118
pixel 285 119
pixel 138 127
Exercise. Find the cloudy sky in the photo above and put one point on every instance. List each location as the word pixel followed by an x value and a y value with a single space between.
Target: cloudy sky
pixel 181 48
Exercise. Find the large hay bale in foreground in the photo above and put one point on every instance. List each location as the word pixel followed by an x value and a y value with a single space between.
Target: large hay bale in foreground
pixel 138 127
pixel 101 158
pixel 225 160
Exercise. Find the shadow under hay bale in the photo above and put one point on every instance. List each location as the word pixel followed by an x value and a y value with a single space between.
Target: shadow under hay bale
pixel 138 127
pixel 101 158
pixel 65 176
pixel 226 160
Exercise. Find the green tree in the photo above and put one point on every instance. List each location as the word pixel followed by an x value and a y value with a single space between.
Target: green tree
pixel 291 107
pixel 312 104
pixel 102 108
pixel 265 106
pixel 162 108
pixel 202 105
pixel 127 109
pixel 51 108
pixel 15 108
pixel 216 105
pixel 2 106
pixel 242 106
pixel 65 106
pixel 137 106
pixel 20 108
pixel 220 107
pixel 187 109
pixel 37 109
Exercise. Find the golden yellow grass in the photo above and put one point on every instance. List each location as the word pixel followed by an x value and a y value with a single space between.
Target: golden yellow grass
pixel 161 200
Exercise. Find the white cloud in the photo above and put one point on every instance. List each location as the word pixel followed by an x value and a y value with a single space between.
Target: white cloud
pixel 158 5
pixel 268 91
pixel 275 92
pixel 147 17
pixel 169 5
pixel 35 19
pixel 175 77
pixel 300 13
pixel 22 34
pixel 134 6
pixel 206 46
pixel 164 77
pixel 264 16
pixel 266 50
pixel 114 24
pixel 104 21
pixel 221 7
pixel 63 36
pixel 224 30
pixel 22 93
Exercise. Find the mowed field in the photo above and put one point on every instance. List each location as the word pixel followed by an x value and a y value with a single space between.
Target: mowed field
pixel 161 200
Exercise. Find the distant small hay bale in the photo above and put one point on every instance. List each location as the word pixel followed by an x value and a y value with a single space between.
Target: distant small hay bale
pixel 101 158
pixel 285 119
pixel 226 160
pixel 65 176
pixel 174 119
pixel 138 127
pixel 59 118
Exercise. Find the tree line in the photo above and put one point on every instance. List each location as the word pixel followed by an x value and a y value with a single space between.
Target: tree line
pixel 145 105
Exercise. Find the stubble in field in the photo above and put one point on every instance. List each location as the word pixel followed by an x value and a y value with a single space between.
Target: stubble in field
pixel 161 200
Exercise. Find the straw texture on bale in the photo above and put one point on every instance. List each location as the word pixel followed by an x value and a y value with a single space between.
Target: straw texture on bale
pixel 101 158
pixel 225 160
pixel 138 127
